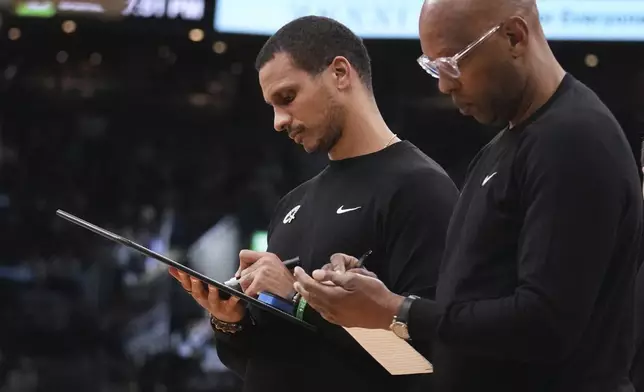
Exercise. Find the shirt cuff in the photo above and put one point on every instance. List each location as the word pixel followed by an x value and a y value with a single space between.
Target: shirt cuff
pixel 424 317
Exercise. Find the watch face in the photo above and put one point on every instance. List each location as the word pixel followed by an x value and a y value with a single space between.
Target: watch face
pixel 400 329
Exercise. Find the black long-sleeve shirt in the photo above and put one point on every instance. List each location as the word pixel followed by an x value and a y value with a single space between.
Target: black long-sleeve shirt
pixel 535 291
pixel 396 202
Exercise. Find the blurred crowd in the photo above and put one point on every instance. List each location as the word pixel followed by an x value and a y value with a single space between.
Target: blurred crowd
pixel 80 313
pixel 160 142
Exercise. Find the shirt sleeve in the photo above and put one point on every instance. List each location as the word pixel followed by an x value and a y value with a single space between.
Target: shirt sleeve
pixel 415 231
pixel 234 349
pixel 637 369
pixel 572 197
pixel 639 309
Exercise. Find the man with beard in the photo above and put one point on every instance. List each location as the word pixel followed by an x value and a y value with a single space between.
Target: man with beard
pixel 535 290
pixel 377 194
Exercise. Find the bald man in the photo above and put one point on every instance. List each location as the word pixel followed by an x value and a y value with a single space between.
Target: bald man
pixel 536 284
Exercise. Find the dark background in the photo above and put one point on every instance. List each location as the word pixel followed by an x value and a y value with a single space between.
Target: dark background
pixel 131 125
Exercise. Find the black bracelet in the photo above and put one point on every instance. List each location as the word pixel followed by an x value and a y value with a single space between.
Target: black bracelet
pixel 224 326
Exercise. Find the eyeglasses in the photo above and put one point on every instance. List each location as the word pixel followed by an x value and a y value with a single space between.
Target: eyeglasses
pixel 449 65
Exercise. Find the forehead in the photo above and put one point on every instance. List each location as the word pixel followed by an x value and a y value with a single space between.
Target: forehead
pixel 281 74
pixel 444 33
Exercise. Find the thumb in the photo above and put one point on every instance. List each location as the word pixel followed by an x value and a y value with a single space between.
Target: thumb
pixel 338 278
pixel 363 271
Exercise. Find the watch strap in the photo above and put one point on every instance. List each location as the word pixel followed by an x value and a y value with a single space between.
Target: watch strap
pixel 403 312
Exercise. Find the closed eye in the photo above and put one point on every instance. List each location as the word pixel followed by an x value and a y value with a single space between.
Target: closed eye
pixel 287 99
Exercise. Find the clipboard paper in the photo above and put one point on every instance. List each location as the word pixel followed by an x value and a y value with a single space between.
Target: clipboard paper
pixel 394 354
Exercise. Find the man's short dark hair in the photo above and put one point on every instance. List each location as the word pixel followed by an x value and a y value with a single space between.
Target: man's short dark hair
pixel 313 42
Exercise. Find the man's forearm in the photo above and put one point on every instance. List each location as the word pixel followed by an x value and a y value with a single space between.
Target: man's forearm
pixel 233 348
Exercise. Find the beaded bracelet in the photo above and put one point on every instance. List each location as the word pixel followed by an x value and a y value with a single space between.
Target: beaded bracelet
pixel 301 305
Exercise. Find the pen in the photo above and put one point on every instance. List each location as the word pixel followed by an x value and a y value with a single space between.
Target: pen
pixel 290 264
pixel 363 258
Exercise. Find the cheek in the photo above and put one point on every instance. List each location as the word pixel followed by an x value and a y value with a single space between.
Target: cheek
pixel 304 113
pixel 472 90
pixel 481 84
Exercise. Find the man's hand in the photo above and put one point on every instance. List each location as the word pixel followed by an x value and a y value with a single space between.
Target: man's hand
pixel 353 301
pixel 229 310
pixel 263 271
pixel 342 263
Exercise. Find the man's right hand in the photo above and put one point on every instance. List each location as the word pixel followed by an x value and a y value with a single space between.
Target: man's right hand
pixel 342 263
pixel 229 310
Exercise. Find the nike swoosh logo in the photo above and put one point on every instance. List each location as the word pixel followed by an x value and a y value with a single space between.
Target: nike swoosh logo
pixel 341 210
pixel 488 178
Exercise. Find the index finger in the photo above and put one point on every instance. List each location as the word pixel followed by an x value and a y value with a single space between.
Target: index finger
pixel 311 285
pixel 342 262
pixel 174 272
pixel 335 278
pixel 247 258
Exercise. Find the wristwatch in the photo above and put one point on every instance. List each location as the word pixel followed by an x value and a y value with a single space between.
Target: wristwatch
pixel 399 324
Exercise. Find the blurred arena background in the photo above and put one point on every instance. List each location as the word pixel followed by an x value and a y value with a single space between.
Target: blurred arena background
pixel 145 116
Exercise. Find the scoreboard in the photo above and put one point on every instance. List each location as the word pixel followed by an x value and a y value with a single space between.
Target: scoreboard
pixel 188 10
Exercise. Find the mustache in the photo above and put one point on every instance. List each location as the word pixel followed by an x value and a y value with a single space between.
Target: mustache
pixel 289 129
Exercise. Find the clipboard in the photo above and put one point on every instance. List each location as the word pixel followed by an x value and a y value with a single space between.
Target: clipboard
pixel 219 285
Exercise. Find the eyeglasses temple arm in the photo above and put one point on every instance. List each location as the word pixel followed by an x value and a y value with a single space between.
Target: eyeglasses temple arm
pixel 474 44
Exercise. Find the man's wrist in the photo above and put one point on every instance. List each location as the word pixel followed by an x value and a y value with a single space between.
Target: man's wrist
pixel 392 306
pixel 233 320
pixel 230 327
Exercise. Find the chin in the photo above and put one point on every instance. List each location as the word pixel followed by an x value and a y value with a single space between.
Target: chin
pixel 485 120
pixel 309 150
pixel 310 147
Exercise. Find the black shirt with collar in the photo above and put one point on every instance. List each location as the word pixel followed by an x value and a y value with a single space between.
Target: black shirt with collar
pixel 396 202
pixel 535 291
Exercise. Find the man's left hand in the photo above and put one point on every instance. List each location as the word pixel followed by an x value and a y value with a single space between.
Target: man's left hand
pixel 353 300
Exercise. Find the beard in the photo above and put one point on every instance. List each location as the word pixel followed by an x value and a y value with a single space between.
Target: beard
pixel 506 101
pixel 334 115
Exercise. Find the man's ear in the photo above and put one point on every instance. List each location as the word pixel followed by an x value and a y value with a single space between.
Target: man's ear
pixel 517 33
pixel 341 72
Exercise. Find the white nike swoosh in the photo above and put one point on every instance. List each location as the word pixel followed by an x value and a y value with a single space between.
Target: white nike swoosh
pixel 341 210
pixel 488 178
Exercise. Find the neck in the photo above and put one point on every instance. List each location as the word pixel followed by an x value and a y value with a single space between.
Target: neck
pixel 545 77
pixel 364 132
